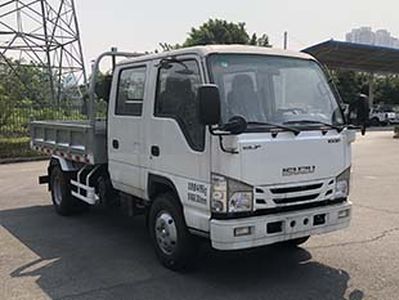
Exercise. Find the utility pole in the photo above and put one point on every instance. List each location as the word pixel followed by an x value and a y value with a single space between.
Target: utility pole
pixel 285 45
pixel 45 34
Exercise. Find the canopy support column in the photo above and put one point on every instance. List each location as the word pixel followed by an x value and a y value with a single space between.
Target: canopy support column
pixel 371 88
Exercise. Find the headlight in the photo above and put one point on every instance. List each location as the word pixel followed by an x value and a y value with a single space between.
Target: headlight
pixel 342 183
pixel 229 195
pixel 219 193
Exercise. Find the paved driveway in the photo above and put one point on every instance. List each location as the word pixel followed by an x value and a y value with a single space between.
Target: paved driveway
pixel 103 256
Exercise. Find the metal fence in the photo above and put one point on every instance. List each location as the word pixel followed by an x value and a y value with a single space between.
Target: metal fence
pixel 16 117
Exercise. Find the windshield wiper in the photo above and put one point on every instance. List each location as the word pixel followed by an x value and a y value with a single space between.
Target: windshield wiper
pixel 338 128
pixel 287 128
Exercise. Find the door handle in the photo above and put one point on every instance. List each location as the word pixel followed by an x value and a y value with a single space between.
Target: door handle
pixel 115 144
pixel 155 150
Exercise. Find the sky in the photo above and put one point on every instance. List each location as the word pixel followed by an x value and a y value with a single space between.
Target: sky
pixel 133 25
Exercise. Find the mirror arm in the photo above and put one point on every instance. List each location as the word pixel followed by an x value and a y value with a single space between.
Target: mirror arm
pixel 221 132
pixel 221 145
pixel 350 126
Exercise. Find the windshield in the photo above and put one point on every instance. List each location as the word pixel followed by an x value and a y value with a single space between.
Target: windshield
pixel 273 89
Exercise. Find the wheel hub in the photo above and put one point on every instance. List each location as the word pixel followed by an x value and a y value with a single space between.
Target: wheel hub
pixel 166 233
pixel 57 191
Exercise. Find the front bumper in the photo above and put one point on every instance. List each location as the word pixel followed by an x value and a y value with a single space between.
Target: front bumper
pixel 271 229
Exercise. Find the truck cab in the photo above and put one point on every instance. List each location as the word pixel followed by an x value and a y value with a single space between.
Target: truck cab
pixel 243 146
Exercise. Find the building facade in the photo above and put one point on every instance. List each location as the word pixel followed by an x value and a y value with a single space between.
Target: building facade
pixel 365 35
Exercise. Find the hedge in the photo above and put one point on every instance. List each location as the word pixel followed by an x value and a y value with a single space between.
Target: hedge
pixel 16 147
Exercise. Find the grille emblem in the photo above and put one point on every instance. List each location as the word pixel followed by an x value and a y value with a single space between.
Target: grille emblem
pixel 303 170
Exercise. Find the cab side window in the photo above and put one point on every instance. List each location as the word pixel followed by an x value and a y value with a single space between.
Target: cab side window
pixel 176 98
pixel 130 96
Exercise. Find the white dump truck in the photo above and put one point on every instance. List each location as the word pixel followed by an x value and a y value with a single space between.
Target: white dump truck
pixel 243 146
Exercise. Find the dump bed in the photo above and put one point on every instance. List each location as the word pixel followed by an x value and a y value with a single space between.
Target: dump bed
pixel 74 140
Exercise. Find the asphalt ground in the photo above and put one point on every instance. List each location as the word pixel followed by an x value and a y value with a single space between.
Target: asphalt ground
pixel 99 255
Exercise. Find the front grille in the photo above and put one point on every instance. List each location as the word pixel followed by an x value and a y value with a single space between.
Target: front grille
pixel 296 199
pixel 294 189
pixel 293 194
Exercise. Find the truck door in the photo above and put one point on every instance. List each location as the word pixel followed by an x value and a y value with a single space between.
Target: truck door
pixel 125 127
pixel 177 143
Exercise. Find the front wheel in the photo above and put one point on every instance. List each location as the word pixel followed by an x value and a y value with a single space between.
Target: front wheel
pixel 175 247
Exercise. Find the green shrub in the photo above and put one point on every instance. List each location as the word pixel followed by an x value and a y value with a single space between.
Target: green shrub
pixel 16 147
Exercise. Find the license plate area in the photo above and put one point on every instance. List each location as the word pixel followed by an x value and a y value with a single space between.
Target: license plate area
pixel 303 223
pixel 319 219
pixel 296 224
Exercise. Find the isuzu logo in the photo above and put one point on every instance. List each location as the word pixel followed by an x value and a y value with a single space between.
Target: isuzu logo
pixel 298 170
pixel 251 147
pixel 334 141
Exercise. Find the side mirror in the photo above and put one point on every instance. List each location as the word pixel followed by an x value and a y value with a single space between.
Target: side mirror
pixel 103 87
pixel 209 104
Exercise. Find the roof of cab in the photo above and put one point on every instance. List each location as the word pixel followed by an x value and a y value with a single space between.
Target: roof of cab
pixel 226 49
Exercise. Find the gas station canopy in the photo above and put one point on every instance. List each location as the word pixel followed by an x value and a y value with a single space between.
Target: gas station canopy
pixel 356 57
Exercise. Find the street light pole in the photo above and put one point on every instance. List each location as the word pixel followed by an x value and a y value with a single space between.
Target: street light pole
pixel 285 40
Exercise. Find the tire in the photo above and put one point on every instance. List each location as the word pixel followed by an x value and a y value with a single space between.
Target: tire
pixel 375 122
pixel 61 192
pixel 108 196
pixel 64 203
pixel 175 247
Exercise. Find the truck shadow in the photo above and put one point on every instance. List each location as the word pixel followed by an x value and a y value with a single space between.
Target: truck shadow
pixel 102 255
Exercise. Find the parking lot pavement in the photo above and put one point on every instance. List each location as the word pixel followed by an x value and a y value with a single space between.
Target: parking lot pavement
pixel 102 256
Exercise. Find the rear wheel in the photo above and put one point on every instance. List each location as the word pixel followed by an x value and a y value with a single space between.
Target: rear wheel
pixel 64 203
pixel 61 192
pixel 175 247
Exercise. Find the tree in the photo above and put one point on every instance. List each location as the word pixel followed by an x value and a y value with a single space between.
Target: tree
pixel 350 84
pixel 387 90
pixel 22 81
pixel 24 94
pixel 347 85
pixel 5 107
pixel 217 31
pixel 263 41
pixel 169 47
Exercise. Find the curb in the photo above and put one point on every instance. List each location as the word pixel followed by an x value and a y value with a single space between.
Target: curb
pixel 4 161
